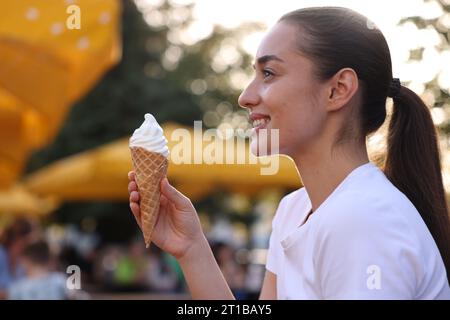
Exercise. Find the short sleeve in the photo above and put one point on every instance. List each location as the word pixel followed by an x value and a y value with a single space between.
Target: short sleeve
pixel 274 253
pixel 360 257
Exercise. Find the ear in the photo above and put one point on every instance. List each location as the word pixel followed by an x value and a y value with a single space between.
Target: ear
pixel 342 87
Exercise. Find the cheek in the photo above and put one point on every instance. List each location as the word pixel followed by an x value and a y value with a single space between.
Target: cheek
pixel 294 112
pixel 298 124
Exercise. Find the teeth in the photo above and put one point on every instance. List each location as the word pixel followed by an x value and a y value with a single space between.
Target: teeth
pixel 259 122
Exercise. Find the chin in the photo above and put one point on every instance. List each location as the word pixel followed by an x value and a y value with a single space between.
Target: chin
pixel 261 148
pixel 266 145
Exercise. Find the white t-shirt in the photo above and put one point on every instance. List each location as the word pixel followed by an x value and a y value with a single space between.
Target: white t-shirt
pixel 365 241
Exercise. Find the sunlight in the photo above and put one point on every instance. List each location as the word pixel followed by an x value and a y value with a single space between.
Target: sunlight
pixel 385 14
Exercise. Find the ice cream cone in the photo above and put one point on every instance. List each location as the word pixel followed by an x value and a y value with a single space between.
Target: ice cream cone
pixel 150 168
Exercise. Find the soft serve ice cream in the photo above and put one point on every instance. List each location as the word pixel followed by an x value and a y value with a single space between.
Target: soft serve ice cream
pixel 149 154
pixel 150 136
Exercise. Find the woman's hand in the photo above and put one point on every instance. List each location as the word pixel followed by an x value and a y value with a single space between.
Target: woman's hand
pixel 177 226
pixel 178 232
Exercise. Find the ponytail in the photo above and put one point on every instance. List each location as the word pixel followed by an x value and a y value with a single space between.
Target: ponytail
pixel 413 165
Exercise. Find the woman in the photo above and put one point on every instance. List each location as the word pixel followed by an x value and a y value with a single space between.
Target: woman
pixel 353 232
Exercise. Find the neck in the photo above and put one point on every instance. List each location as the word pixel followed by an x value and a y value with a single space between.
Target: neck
pixel 323 170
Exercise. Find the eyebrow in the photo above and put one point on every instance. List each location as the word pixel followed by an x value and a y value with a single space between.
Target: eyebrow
pixel 264 59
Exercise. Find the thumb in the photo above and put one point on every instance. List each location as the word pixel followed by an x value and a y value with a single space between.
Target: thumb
pixel 178 199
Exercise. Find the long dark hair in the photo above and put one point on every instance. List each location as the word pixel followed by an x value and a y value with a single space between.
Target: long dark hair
pixel 335 38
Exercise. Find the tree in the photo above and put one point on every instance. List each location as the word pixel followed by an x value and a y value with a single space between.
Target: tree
pixel 441 25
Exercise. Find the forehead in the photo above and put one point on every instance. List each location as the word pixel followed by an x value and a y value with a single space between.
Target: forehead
pixel 281 41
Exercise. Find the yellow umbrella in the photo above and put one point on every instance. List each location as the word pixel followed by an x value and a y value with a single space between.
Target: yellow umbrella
pixel 18 201
pixel 20 132
pixel 51 53
pixel 102 174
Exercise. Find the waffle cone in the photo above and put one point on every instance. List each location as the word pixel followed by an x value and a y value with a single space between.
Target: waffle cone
pixel 150 168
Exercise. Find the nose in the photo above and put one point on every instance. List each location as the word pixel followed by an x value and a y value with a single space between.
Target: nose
pixel 249 97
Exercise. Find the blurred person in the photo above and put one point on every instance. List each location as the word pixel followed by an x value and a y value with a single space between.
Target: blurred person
pixel 105 266
pixel 12 242
pixel 69 255
pixel 161 275
pixel 131 266
pixel 233 272
pixel 40 283
pixel 254 275
pixel 353 231
pixel 175 267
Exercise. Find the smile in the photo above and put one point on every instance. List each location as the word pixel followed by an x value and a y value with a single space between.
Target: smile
pixel 259 120
pixel 261 123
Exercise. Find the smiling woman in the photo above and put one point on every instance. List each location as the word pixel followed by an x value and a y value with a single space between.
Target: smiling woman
pixel 354 231
pixel 330 75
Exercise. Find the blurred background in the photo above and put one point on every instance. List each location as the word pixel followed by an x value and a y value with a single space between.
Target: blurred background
pixel 77 77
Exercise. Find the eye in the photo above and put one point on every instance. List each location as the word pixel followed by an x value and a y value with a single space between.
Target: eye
pixel 267 73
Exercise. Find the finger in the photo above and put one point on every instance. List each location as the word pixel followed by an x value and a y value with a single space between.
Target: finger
pixel 132 186
pixel 163 200
pixel 134 196
pixel 179 200
pixel 136 212
pixel 135 209
pixel 131 176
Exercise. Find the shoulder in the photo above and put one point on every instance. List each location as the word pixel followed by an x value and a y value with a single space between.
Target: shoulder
pixel 372 224
pixel 289 203
pixel 362 211
pixel 372 217
pixel 362 234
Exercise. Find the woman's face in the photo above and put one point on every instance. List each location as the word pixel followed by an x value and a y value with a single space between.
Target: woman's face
pixel 284 94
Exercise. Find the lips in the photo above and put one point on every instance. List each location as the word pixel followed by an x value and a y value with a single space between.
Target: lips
pixel 260 123
pixel 259 120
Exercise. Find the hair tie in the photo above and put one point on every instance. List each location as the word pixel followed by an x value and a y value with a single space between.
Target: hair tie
pixel 394 88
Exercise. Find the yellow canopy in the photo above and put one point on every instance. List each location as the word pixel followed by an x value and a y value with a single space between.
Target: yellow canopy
pixel 102 174
pixel 18 201
pixel 46 63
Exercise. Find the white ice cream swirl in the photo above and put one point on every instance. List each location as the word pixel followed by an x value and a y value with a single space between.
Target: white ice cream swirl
pixel 150 136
